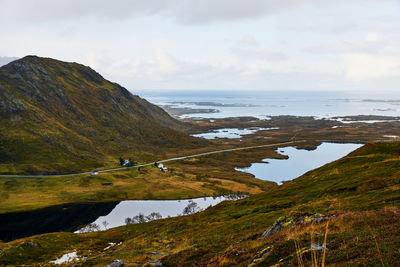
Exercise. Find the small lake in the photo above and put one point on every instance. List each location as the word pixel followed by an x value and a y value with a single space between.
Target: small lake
pixel 73 217
pixel 299 162
pixel 231 132
pixel 165 208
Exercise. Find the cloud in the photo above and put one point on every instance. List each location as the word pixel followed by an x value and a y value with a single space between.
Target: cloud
pixel 183 11
pixel 371 37
pixel 162 68
pixel 248 49
pixel 166 72
pixel 184 44
pixel 248 40
pixel 258 54
pixel 371 46
pixel 361 67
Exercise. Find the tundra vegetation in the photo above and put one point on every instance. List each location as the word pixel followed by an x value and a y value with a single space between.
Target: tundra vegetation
pixel 344 213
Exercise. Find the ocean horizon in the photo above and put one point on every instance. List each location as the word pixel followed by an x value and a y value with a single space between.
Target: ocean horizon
pixel 261 104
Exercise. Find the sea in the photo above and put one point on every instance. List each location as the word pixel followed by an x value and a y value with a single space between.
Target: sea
pixel 262 104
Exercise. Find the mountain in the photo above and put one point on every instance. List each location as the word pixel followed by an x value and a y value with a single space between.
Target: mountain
pixel 61 117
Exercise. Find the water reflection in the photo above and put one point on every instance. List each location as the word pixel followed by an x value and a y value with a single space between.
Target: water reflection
pixel 299 162
pixel 138 211
pixel 53 219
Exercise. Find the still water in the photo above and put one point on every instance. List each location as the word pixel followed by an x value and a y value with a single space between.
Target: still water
pixel 166 208
pixel 299 162
pixel 231 132
pixel 73 217
pixel 263 104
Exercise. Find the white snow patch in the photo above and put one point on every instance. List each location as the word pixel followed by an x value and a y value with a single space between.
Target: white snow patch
pixel 68 257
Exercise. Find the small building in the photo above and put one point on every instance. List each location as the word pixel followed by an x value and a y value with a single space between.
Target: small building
pixel 162 168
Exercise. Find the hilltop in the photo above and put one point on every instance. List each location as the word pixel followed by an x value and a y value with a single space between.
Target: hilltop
pixel 63 117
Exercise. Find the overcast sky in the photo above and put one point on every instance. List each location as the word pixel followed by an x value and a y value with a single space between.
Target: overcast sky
pixel 214 44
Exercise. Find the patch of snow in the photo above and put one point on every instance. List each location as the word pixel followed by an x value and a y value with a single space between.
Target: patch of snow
pixel 68 257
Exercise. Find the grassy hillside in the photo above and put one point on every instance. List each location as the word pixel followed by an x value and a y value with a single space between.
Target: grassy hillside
pixel 350 207
pixel 62 117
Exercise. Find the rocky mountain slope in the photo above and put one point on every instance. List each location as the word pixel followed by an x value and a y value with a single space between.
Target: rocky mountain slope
pixel 61 117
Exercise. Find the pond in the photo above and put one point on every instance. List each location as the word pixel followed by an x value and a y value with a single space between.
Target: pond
pixel 231 132
pixel 299 162
pixel 162 209
pixel 73 217
pixel 60 218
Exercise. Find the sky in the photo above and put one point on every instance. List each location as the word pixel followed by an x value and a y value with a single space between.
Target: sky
pixel 266 45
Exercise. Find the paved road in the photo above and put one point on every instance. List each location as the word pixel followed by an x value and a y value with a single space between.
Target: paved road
pixel 160 161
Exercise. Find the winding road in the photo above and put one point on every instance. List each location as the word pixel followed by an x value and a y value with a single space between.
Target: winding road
pixel 159 161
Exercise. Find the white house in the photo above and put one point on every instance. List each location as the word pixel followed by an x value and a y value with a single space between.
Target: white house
pixel 162 168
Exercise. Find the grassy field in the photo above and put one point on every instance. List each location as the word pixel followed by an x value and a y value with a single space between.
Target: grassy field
pixel 210 175
pixel 197 177
pixel 350 207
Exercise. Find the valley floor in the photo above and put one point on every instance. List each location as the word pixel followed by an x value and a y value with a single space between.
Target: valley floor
pixel 193 177
pixel 347 210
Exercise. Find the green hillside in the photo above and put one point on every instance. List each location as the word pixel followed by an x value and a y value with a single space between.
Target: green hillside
pixel 64 117
pixel 344 213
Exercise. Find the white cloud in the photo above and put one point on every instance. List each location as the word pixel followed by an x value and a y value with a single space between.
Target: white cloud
pixel 361 67
pixel 208 44
pixel 371 37
pixel 248 40
pixel 258 54
pixel 184 11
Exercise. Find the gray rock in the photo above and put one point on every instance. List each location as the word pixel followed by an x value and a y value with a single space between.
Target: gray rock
pixel 317 246
pixel 272 230
pixel 116 263
pixel 157 264
pixel 275 227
